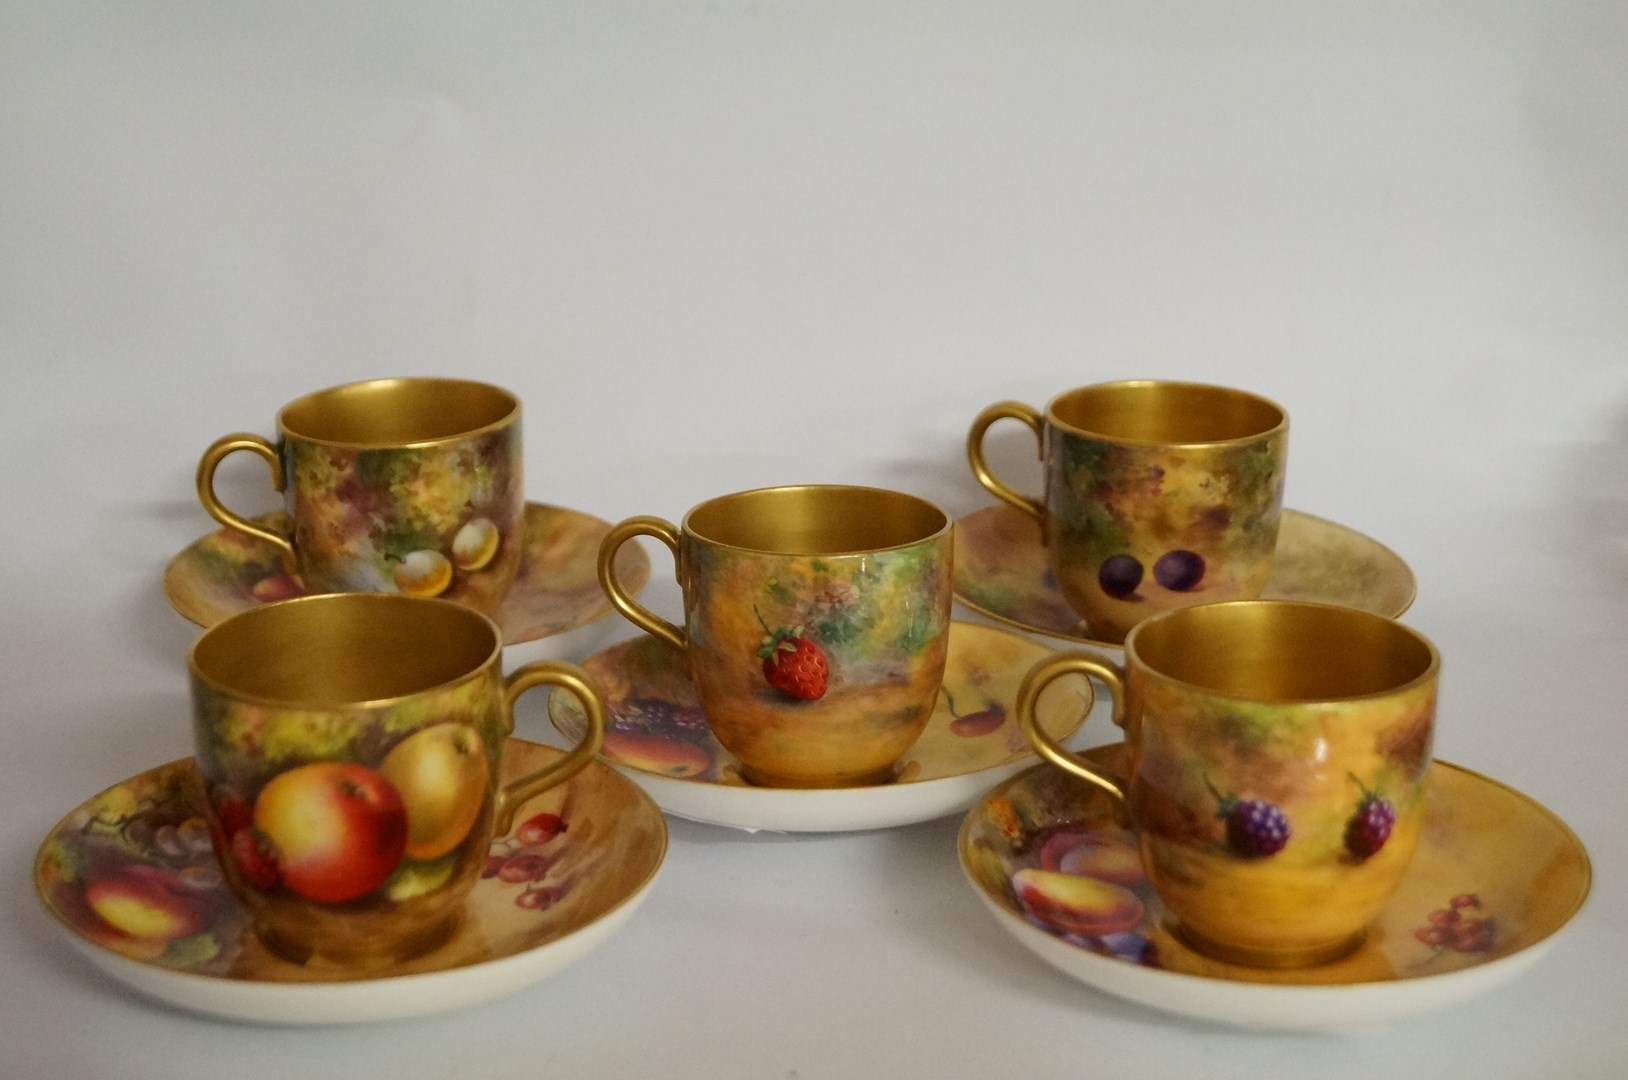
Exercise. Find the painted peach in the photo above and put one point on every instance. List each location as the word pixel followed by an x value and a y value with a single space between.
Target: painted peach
pixel 1077 905
pixel 475 544
pixel 423 573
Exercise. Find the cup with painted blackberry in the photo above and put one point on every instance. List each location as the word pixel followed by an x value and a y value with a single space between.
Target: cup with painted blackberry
pixel 349 750
pixel 816 624
pixel 409 485
pixel 1278 754
pixel 1158 495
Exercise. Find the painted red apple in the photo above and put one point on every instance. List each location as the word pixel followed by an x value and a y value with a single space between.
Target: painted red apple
pixel 1077 905
pixel 657 754
pixel 146 902
pixel 277 587
pixel 338 828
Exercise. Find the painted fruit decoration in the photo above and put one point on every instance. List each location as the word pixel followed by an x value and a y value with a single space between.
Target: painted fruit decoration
pixel 338 829
pixel 1370 824
pixel 475 545
pixel 1119 575
pixel 1077 904
pixel 659 736
pixel 1255 828
pixel 440 774
pixel 793 664
pixel 147 902
pixel 973 724
pixel 423 573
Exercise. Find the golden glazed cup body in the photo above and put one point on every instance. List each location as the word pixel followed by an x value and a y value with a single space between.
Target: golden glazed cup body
pixel 1158 495
pixel 406 485
pixel 1277 758
pixel 349 749
pixel 816 624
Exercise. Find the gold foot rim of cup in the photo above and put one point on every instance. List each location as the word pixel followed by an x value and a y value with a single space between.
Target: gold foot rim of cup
pixel 758 778
pixel 1293 956
pixel 303 953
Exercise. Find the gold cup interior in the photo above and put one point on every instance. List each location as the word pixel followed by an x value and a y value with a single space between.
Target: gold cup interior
pixel 1152 411
pixel 816 519
pixel 397 412
pixel 1282 651
pixel 343 649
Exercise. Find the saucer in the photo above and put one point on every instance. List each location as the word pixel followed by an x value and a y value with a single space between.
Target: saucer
pixel 1495 878
pixel 148 833
pixel 557 587
pixel 1001 571
pixel 659 737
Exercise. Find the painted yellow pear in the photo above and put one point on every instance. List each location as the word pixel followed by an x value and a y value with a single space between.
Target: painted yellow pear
pixel 441 772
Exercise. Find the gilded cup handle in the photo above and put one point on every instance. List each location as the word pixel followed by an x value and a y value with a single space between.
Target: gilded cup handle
pixel 1042 675
pixel 576 682
pixel 635 613
pixel 1030 418
pixel 212 457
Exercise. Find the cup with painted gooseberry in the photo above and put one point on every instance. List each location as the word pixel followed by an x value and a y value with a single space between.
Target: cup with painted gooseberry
pixel 816 624
pixel 349 747
pixel 1276 767
pixel 409 485
pixel 1158 495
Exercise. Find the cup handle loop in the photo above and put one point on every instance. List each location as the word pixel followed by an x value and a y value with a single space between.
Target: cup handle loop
pixel 1042 675
pixel 211 459
pixel 1031 418
pixel 638 615
pixel 575 681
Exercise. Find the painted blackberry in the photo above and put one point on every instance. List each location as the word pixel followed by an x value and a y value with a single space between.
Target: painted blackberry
pixel 1255 828
pixel 1370 824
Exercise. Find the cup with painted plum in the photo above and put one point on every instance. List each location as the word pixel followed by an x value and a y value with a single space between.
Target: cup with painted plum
pixel 1158 494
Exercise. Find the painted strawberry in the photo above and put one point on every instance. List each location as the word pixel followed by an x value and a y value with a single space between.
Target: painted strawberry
pixel 792 663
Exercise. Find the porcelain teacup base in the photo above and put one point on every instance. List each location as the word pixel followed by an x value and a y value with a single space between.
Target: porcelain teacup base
pixel 362 958
pixel 1292 956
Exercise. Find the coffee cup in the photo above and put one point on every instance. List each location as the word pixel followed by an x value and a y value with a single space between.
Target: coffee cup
pixel 816 624
pixel 408 485
pixel 348 748
pixel 1276 762
pixel 1158 495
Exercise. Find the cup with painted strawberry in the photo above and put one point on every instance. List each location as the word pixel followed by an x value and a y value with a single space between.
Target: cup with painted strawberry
pixel 1277 761
pixel 816 624
pixel 349 749
pixel 406 485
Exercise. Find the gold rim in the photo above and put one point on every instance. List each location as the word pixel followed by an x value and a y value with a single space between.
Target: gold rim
pixel 924 521
pixel 1224 612
pixel 493 399
pixel 1150 387
pixel 234 625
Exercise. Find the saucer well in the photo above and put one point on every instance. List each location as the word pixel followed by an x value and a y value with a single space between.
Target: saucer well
pixel 659 737
pixel 1495 878
pixel 1001 571
pixel 140 853
pixel 557 587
